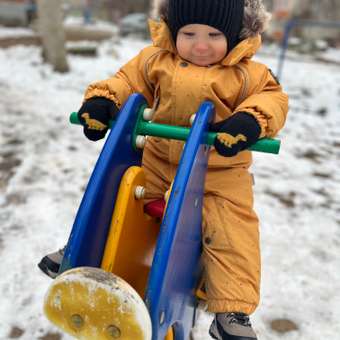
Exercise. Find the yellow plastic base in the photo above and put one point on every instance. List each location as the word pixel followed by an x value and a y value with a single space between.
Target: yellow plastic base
pixel 89 303
pixel 133 234
pixel 170 335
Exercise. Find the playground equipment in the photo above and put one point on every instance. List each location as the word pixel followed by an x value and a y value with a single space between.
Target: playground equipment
pixel 287 30
pixel 119 251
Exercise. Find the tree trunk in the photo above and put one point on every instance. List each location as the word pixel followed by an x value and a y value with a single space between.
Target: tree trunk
pixel 52 32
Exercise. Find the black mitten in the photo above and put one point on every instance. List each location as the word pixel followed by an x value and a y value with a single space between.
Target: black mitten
pixel 95 115
pixel 236 133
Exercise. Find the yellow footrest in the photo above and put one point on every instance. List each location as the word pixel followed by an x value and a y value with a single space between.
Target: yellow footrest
pixel 89 303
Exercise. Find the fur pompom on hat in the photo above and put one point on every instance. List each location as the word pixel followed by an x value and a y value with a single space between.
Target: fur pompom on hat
pixel 255 16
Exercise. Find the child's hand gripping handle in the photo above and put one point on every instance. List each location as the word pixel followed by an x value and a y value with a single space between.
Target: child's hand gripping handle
pixel 145 128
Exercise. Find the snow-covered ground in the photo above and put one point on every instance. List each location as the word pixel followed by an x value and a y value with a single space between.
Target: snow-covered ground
pixel 45 164
pixel 9 32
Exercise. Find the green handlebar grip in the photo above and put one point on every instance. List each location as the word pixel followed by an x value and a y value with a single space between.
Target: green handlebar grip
pixel 145 128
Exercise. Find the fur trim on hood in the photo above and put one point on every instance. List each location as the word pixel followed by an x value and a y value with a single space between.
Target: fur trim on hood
pixel 255 20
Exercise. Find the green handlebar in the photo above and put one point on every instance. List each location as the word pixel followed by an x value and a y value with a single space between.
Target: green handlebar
pixel 145 128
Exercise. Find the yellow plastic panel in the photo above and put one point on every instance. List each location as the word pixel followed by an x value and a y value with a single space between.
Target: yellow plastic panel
pixel 131 242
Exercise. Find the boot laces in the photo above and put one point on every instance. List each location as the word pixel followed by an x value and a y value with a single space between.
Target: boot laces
pixel 239 318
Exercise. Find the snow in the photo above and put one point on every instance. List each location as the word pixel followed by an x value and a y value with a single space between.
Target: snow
pixel 100 25
pixel 45 164
pixel 6 32
pixel 331 55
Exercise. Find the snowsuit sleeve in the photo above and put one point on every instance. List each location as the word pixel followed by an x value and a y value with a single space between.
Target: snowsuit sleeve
pixel 266 100
pixel 131 78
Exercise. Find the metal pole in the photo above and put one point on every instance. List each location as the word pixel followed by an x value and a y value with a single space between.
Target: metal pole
pixel 284 46
pixel 289 26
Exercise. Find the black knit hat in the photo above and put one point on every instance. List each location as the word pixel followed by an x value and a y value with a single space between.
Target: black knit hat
pixel 224 15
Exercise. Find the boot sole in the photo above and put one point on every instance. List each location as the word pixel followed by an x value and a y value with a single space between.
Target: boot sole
pixel 45 269
pixel 213 332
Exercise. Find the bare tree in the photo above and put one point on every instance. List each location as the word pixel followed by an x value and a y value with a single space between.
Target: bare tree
pixel 53 36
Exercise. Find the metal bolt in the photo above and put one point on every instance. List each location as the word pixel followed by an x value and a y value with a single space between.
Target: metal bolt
pixel 162 318
pixel 192 118
pixel 77 321
pixel 139 192
pixel 114 331
pixel 167 195
pixel 148 113
pixel 140 141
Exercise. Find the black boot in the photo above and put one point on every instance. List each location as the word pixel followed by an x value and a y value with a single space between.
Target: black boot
pixel 50 263
pixel 232 326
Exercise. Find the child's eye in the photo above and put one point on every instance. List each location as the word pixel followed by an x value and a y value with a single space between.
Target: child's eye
pixel 188 34
pixel 215 35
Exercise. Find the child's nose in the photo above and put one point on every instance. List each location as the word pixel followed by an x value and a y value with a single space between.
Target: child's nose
pixel 201 46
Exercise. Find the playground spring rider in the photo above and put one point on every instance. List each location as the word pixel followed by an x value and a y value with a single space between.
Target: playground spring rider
pixel 118 251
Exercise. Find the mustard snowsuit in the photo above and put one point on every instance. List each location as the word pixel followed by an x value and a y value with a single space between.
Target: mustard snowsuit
pixel 176 88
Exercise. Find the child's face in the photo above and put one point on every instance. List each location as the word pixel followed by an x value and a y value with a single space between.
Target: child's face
pixel 202 45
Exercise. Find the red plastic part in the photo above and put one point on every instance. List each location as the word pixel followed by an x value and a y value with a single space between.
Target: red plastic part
pixel 155 208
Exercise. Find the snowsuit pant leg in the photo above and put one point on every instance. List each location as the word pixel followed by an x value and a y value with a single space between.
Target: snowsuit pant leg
pixel 231 253
pixel 159 175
